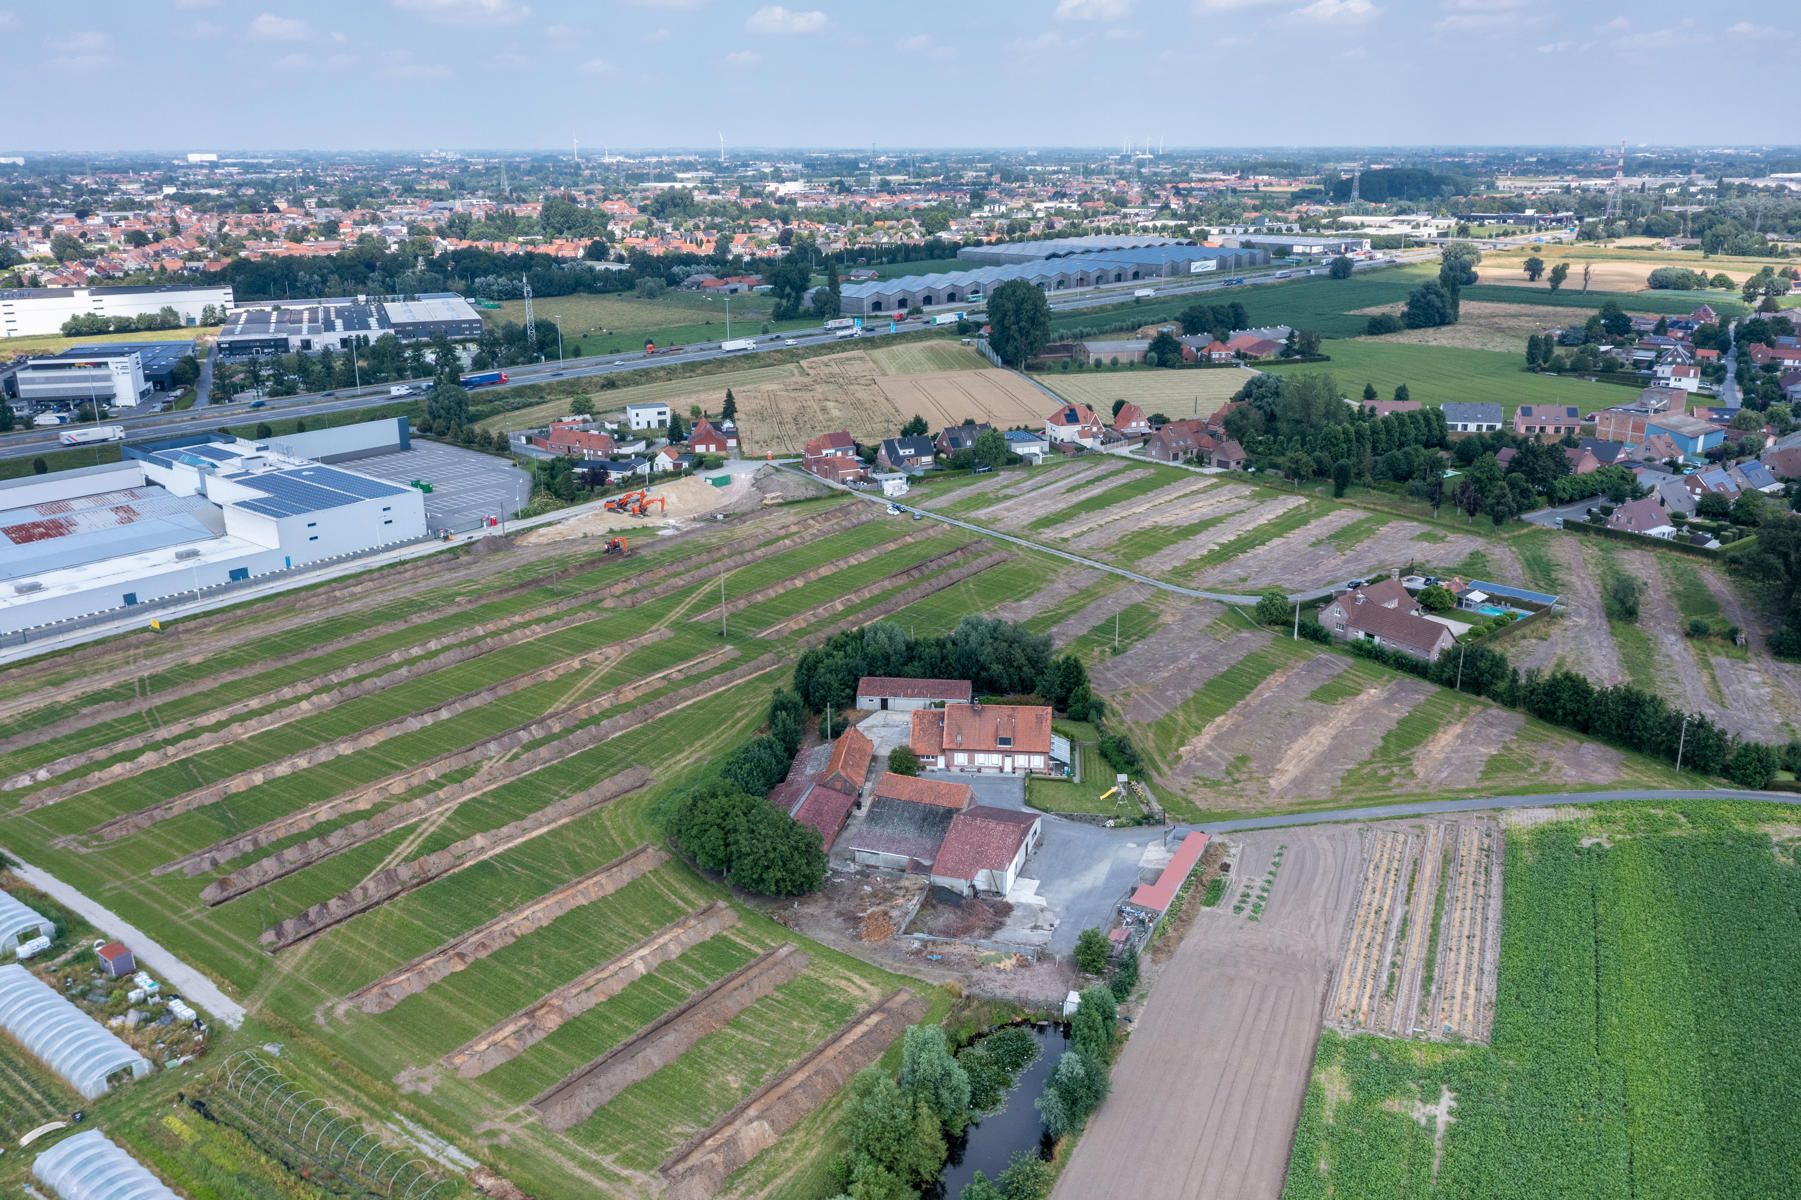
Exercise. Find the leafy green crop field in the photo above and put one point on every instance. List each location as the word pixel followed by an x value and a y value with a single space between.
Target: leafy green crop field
pixel 1643 1037
pixel 1445 374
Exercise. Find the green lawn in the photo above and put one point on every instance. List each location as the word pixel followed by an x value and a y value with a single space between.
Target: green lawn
pixel 616 323
pixel 1660 302
pixel 1649 960
pixel 1315 302
pixel 1442 374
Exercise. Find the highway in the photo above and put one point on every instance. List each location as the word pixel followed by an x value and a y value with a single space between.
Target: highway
pixel 139 427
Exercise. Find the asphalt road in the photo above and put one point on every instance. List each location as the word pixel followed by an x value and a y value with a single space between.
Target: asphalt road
pixel 1381 812
pixel 205 416
pixel 151 956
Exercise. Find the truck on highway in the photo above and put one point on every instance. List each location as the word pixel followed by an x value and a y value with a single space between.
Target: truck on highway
pixel 401 389
pixel 840 323
pixel 483 379
pixel 950 318
pixel 1140 293
pixel 853 331
pixel 93 433
pixel 737 344
pixel 46 419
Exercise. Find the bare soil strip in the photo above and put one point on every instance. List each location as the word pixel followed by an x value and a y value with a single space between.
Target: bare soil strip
pixel 1210 754
pixel 348 744
pixel 1578 633
pixel 1014 514
pixel 469 948
pixel 702 1164
pixel 1387 866
pixel 1098 610
pixel 1069 580
pixel 666 1039
pixel 1316 749
pixel 434 804
pixel 1402 1014
pixel 512 1037
pixel 912 595
pixel 397 881
pixel 856 596
pixel 1457 753
pixel 1662 622
pixel 1217 500
pixel 1158 673
pixel 1295 558
pixel 741 602
pixel 1169 493
pixel 1463 990
pixel 1031 481
pixel 1175 556
pixel 679 576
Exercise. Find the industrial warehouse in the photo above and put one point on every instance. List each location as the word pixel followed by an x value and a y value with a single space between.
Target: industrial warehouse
pixel 310 325
pixel 32 312
pixel 175 519
pixel 1054 266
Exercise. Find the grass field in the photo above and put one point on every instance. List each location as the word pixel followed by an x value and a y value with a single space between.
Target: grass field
pixel 1314 302
pixel 1442 374
pixel 614 324
pixel 55 343
pixel 1646 976
pixel 1175 394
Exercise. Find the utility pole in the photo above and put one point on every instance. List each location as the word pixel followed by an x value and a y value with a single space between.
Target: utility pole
pixel 722 633
pixel 1465 650
pixel 531 324
pixel 1116 631
pixel 1297 621
pixel 1681 740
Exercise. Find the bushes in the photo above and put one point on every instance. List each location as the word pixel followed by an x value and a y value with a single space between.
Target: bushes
pixel 993 1065
pixel 1091 951
pixel 902 761
pixel 1383 323
pixel 1125 975
pixel 1121 754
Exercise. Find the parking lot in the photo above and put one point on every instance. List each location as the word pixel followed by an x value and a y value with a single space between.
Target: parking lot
pixel 467 486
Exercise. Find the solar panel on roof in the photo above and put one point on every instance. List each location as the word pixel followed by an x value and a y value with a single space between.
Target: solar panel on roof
pixel 357 485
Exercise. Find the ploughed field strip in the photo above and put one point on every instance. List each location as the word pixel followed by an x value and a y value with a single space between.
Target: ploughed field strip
pixel 1423 946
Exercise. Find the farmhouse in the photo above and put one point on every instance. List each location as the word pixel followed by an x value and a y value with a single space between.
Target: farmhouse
pixel 1384 613
pixel 985 848
pixel 984 738
pixel 879 693
pixel 1179 441
pixel 1472 418
pixel 833 456
pixel 1073 425
pixel 1130 421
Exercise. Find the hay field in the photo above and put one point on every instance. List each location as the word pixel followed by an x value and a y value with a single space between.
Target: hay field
pixel 707 391
pixel 1487 325
pixel 914 357
pixel 1175 394
pixel 1613 272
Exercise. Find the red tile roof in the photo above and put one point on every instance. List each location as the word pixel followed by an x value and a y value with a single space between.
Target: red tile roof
pixel 982 726
pixel 927 735
pixel 113 950
pixel 914 689
pixel 982 839
pixel 937 792
pixel 1156 896
pixel 825 809
pixel 851 756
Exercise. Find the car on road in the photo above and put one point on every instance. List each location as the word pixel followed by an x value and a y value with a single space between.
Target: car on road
pixel 789 342
pixel 619 362
pixel 1354 584
pixel 919 516
pixel 894 510
pixel 258 403
pixel 556 374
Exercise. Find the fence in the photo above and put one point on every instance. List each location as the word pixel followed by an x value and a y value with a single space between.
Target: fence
pixel 987 352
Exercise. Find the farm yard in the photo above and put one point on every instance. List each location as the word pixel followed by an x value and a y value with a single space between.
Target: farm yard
pixel 1176 394
pixel 1641 952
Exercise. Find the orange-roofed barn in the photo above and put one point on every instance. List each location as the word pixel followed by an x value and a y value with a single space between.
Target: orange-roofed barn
pixel 880 693
pixel 940 793
pixel 990 738
pixel 985 848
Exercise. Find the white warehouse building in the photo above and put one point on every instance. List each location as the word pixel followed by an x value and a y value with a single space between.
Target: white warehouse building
pixel 30 312
pixel 115 378
pixel 175 521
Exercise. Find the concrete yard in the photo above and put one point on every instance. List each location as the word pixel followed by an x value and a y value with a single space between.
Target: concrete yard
pixel 467 486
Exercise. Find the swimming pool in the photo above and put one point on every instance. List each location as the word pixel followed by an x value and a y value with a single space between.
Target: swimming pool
pixel 1491 610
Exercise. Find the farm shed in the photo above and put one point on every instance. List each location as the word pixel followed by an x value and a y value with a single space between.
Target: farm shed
pixel 1154 898
pixel 116 960
pixel 19 923
pixel 90 1166
pixel 985 849
pixel 64 1038
pixel 881 692
pixel 899 835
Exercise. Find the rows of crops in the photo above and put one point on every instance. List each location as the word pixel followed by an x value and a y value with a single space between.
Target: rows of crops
pixel 1645 1041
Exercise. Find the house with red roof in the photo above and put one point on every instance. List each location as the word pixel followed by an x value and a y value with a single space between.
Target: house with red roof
pixel 706 438
pixel 849 764
pixel 1130 421
pixel 833 456
pixel 1074 425
pixel 916 789
pixel 1010 739
pixel 882 693
pixel 985 848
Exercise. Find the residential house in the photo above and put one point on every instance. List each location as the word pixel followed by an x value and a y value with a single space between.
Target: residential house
pixel 647 414
pixel 1582 462
pixel 1606 453
pixel 912 453
pixel 1672 492
pixel 1227 456
pixel 1627 422
pixel 833 456
pixel 1462 417
pixel 1784 462
pixel 1383 612
pixel 1683 377
pixel 1074 425
pixel 1027 445
pixel 1693 438
pixel 1130 421
pixel 1658 448
pixel 984 850
pixel 1202 348
pixel 1783 356
pixel 959 438
pixel 1753 476
pixel 1504 457
pixel 707 438
pixel 1790 383
pixel 849 763
pixel 1006 738
pixel 1645 516
pixel 916 789
pixel 574 443
pixel 1383 408
pixel 1547 421
pixel 884 693
pixel 1179 441
pixel 670 459
pixel 1717 481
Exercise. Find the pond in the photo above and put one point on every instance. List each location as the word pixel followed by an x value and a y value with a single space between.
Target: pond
pixel 990 1144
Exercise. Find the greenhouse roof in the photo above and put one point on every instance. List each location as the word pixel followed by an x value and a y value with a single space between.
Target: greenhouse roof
pixel 89 1166
pixel 64 1038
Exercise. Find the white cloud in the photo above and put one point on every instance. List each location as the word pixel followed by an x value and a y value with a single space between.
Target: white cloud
pixel 207 29
pixel 340 38
pixel 1485 6
pixel 466 12
pixel 921 43
pixel 596 66
pixel 657 35
pixel 1337 12
pixel 299 60
pixel 82 51
pixel 400 64
pixel 773 18
pixel 1093 10
pixel 1672 38
pixel 743 58
pixel 267 27
pixel 1746 29
pixel 1554 47
pixel 1617 25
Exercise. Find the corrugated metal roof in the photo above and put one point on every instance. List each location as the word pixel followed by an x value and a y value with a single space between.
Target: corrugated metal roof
pixel 61 1036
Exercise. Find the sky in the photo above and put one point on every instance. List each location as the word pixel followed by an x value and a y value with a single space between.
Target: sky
pixel 632 74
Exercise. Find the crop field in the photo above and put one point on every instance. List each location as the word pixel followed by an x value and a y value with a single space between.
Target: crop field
pixel 1314 302
pixel 431 789
pixel 919 356
pixel 1614 268
pixel 1437 374
pixel 615 324
pixel 707 391
pixel 1647 965
pixel 1490 325
pixel 29 1094
pixel 1175 394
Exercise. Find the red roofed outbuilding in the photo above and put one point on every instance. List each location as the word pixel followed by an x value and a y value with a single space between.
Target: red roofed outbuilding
pixel 985 848
pixel 879 693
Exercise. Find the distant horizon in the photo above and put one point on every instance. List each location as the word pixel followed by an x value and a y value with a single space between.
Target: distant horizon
pixel 372 77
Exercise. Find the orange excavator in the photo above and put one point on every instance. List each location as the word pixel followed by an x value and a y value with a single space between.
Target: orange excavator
pixel 618 546
pixel 642 508
pixel 625 502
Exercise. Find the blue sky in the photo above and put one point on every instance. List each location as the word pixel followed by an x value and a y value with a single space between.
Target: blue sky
pixel 424 74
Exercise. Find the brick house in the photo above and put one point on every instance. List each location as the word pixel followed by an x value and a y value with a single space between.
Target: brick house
pixel 912 453
pixel 833 456
pixel 1010 739
pixel 959 438
pixel 1547 421
pixel 1130 421
pixel 1074 424
pixel 1179 441
pixel 1385 613
pixel 851 755
pixel 706 438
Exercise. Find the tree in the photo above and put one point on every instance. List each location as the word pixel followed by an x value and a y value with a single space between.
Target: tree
pixel 1164 350
pixel 1273 607
pixel 1027 1177
pixel 902 761
pixel 930 1075
pixel 1622 597
pixel 886 1131
pixel 64 247
pixel 676 431
pixel 1535 266
pixel 447 404
pixel 1341 477
pixel 1369 391
pixel 1428 306
pixel 728 411
pixel 1019 319
pixel 1456 271
pixel 1713 506
pixel 828 301
pixel 1125 975
pixel 1437 598
pixel 979 1188
pixel 1076 1088
pixel 990 449
pixel 1402 395
pixel 1559 273
pixel 1091 951
pixel 915 427
pixel 1383 323
pixel 1341 268
pixel 39 466
pixel 137 239
pixel 581 406
pixel 264 432
pixel 1097 1016
pixel 1752 765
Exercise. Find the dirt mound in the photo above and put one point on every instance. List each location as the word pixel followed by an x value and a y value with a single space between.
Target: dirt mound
pixel 700 1165
pixel 684 500
pixel 462 951
pixel 666 1039
pixel 398 880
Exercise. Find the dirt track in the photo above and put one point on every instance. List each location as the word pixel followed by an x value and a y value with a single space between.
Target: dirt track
pixel 1576 635
pixel 1208 1089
